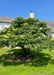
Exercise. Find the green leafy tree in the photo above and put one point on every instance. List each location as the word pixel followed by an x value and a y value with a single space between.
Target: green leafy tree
pixel 29 34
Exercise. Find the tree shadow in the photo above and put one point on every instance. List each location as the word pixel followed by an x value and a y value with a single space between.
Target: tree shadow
pixel 15 57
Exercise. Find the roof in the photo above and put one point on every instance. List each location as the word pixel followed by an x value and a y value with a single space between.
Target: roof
pixel 50 24
pixel 6 19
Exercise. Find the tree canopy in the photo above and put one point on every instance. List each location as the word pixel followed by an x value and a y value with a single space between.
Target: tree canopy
pixel 27 33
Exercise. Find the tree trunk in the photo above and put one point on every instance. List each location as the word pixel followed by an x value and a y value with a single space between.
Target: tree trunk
pixel 26 51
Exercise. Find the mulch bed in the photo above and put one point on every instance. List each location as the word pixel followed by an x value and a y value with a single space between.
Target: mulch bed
pixel 17 57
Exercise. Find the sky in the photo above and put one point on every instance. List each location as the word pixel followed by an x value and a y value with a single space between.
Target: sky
pixel 42 9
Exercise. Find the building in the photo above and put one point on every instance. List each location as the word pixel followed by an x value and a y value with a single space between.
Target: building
pixel 51 25
pixel 6 22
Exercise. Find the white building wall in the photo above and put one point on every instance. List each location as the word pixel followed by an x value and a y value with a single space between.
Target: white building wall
pixel 52 35
pixel 4 25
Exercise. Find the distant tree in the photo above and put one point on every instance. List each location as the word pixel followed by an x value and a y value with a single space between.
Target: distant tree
pixel 29 34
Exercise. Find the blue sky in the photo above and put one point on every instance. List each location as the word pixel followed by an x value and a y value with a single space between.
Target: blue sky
pixel 43 9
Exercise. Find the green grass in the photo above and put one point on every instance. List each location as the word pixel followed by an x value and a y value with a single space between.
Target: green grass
pixel 43 64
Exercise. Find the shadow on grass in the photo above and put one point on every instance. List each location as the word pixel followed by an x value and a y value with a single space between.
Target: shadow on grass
pixel 15 57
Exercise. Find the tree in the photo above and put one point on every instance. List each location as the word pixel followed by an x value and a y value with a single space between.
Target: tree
pixel 29 33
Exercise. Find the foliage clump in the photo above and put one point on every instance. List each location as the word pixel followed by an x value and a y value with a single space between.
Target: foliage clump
pixel 29 34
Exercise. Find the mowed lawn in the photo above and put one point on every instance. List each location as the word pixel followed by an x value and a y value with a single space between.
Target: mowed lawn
pixel 43 63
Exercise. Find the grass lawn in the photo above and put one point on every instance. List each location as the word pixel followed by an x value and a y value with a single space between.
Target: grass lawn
pixel 43 64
